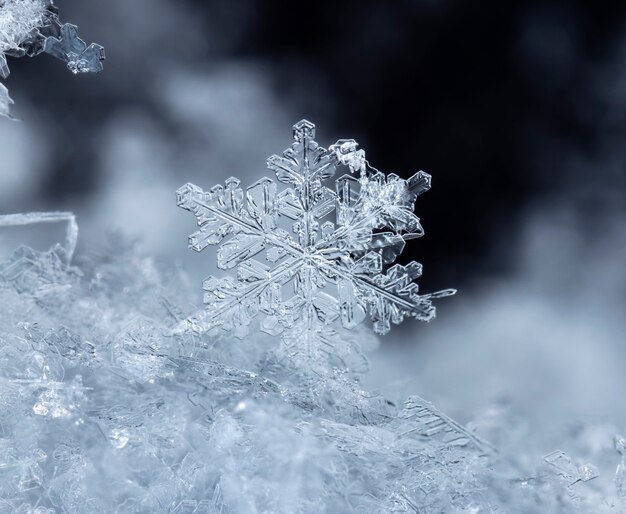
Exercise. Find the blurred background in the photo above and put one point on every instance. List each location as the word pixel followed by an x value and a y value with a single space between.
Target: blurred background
pixel 517 109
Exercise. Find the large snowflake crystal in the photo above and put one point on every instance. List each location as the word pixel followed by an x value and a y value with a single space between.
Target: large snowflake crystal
pixel 326 250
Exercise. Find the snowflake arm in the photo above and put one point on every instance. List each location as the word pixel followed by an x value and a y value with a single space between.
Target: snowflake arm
pixel 34 218
pixel 421 420
pixel 5 100
pixel 71 49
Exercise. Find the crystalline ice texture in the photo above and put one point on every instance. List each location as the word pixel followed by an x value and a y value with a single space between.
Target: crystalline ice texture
pixel 30 27
pixel 5 99
pixel 563 466
pixel 422 420
pixel 79 57
pixel 18 20
pixel 33 218
pixel 330 241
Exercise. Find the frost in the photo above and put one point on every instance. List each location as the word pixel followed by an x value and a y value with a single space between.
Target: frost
pixel 425 421
pixel 104 409
pixel 19 19
pixel 332 246
pixel 30 27
pixel 68 47
pixel 111 403
pixel 33 218
pixel 5 101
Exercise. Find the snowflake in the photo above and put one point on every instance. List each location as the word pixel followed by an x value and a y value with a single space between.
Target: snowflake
pixel 326 250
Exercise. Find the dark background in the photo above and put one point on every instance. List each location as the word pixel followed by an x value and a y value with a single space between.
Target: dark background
pixel 492 98
pixel 517 109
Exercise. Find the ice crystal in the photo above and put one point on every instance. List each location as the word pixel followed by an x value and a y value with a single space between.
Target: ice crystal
pixel 562 465
pixel 103 409
pixel 5 101
pixel 331 245
pixel 34 218
pixel 68 47
pixel 30 27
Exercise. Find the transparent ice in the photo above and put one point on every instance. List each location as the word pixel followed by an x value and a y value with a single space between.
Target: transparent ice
pixel 31 27
pixel 331 240
pixel 110 402
pixel 34 218
pixel 68 47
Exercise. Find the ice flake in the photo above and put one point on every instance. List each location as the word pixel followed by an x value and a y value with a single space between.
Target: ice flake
pixel 332 246
pixel 137 350
pixel 19 20
pixel 79 57
pixel 421 420
pixel 35 218
pixel 71 347
pixel 40 274
pixel 561 464
pixel 31 27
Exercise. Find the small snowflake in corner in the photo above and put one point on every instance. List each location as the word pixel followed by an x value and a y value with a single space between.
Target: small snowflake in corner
pixel 307 254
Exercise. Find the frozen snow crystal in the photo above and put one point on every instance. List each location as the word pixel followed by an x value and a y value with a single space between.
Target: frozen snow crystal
pixel 79 57
pixel 5 101
pixel 105 409
pixel 30 27
pixel 429 423
pixel 563 466
pixel 34 218
pixel 19 19
pixel 331 244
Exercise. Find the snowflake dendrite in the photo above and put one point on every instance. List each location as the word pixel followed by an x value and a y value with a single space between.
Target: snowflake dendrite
pixel 325 250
